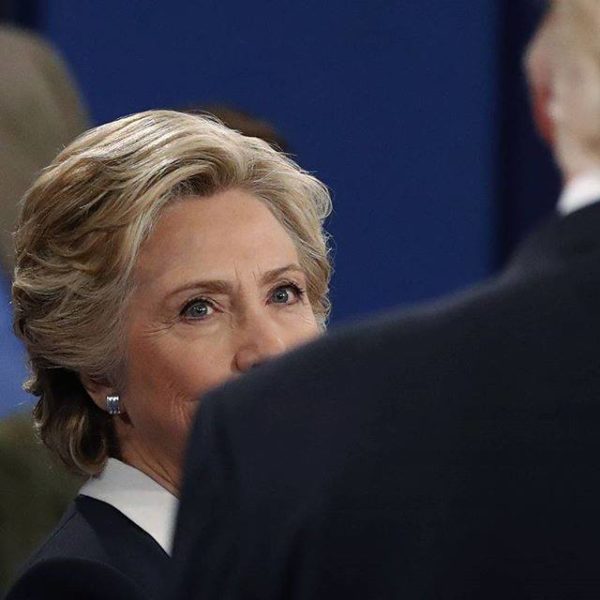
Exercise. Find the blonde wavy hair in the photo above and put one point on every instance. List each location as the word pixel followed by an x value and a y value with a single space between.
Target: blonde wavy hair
pixel 564 55
pixel 79 234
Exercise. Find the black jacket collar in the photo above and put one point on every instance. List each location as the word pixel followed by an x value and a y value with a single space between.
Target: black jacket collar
pixel 560 241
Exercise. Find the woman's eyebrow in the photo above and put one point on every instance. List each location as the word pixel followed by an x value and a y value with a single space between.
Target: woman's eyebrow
pixel 214 286
pixel 273 274
pixel 220 286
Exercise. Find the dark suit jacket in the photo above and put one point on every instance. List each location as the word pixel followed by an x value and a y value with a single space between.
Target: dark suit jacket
pixel 95 552
pixel 451 452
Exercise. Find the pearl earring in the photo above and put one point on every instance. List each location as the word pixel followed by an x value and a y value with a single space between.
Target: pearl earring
pixel 113 405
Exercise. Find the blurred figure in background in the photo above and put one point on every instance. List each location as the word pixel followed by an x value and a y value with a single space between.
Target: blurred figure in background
pixel 40 112
pixel 447 452
pixel 34 492
pixel 245 123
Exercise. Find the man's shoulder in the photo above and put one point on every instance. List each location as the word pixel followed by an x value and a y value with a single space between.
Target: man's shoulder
pixel 482 308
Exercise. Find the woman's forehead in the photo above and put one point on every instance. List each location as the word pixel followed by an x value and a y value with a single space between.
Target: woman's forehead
pixel 221 237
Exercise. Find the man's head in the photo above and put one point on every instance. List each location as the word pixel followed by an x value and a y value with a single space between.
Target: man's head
pixel 563 67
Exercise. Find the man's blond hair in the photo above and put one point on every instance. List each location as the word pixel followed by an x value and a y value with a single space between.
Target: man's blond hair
pixel 564 56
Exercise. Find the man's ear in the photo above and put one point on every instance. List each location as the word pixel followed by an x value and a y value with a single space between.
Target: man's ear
pixel 544 111
pixel 97 390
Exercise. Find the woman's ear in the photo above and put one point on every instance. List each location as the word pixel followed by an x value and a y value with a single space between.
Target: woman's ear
pixel 100 392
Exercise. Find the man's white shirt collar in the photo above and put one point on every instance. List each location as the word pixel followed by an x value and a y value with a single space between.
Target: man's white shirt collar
pixel 580 192
pixel 149 505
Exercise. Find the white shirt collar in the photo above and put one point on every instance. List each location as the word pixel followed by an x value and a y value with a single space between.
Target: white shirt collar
pixel 148 504
pixel 580 192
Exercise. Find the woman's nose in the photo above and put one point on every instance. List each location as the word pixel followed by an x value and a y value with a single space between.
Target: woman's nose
pixel 259 343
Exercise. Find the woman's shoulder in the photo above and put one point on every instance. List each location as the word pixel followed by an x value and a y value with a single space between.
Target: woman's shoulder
pixel 69 539
pixel 74 578
pixel 81 531
pixel 97 538
pixel 95 530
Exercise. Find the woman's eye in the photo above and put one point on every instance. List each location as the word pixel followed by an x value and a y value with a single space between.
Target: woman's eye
pixel 197 309
pixel 285 294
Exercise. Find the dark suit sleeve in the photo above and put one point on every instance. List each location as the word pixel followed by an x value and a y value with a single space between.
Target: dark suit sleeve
pixel 73 578
pixel 260 455
pixel 204 531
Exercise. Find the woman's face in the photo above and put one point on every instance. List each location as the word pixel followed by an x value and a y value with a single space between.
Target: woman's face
pixel 218 290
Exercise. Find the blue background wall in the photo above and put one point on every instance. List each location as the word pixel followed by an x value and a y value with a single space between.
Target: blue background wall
pixel 391 103
pixel 398 105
